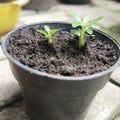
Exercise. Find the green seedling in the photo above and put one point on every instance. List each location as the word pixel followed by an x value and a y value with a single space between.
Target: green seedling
pixel 47 32
pixel 85 24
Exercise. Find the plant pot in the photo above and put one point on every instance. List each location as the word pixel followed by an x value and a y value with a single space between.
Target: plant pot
pixel 76 1
pixel 53 97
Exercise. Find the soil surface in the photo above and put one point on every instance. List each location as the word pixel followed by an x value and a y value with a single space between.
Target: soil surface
pixel 63 56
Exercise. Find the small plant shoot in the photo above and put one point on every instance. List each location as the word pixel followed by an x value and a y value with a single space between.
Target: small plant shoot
pixel 47 32
pixel 85 24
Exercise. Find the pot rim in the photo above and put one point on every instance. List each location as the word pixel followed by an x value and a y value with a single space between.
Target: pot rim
pixel 58 77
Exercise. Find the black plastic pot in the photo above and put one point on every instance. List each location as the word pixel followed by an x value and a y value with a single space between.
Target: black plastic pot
pixel 52 97
pixel 76 1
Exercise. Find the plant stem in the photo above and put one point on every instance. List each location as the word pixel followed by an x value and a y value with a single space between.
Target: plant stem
pixel 81 38
pixel 49 39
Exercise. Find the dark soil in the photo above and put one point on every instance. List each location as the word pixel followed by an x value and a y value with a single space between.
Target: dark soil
pixel 63 56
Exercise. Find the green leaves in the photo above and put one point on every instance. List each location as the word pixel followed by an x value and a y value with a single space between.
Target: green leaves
pixel 75 32
pixel 85 19
pixel 89 31
pixel 76 20
pixel 47 32
pixel 90 24
pixel 75 17
pixel 43 33
pixel 85 24
pixel 94 21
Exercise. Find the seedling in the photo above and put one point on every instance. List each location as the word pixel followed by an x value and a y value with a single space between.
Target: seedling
pixel 85 24
pixel 47 32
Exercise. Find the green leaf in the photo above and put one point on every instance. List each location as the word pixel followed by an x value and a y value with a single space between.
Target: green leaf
pixel 89 31
pixel 47 28
pixel 92 22
pixel 76 17
pixel 43 33
pixel 76 20
pixel 47 32
pixel 85 24
pixel 75 32
pixel 76 24
pixel 53 31
pixel 85 19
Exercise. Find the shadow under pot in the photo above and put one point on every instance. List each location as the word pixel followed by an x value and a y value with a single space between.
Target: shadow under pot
pixel 76 1
pixel 49 96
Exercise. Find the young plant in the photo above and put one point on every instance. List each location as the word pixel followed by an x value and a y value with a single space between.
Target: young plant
pixel 85 24
pixel 47 32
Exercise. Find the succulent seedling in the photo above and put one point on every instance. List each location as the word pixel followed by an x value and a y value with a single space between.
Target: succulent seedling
pixel 47 32
pixel 85 24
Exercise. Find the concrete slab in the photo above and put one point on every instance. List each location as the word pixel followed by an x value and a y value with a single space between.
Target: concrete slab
pixel 9 88
pixel 45 16
pixel 14 112
pixel 40 4
pixel 106 105
pixel 117 117
pixel 110 18
pixel 112 5
pixel 27 12
pixel 2 56
pixel 116 75
pixel 62 12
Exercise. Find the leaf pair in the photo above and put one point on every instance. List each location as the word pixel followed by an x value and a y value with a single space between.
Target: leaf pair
pixel 47 32
pixel 85 24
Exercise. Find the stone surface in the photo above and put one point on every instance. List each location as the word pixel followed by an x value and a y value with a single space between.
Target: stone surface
pixel 2 38
pixel 92 11
pixel 9 88
pixel 2 56
pixel 14 112
pixel 105 106
pixel 40 4
pixel 27 12
pixel 113 31
pixel 45 16
pixel 117 117
pixel 112 5
pixel 62 12
pixel 116 75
